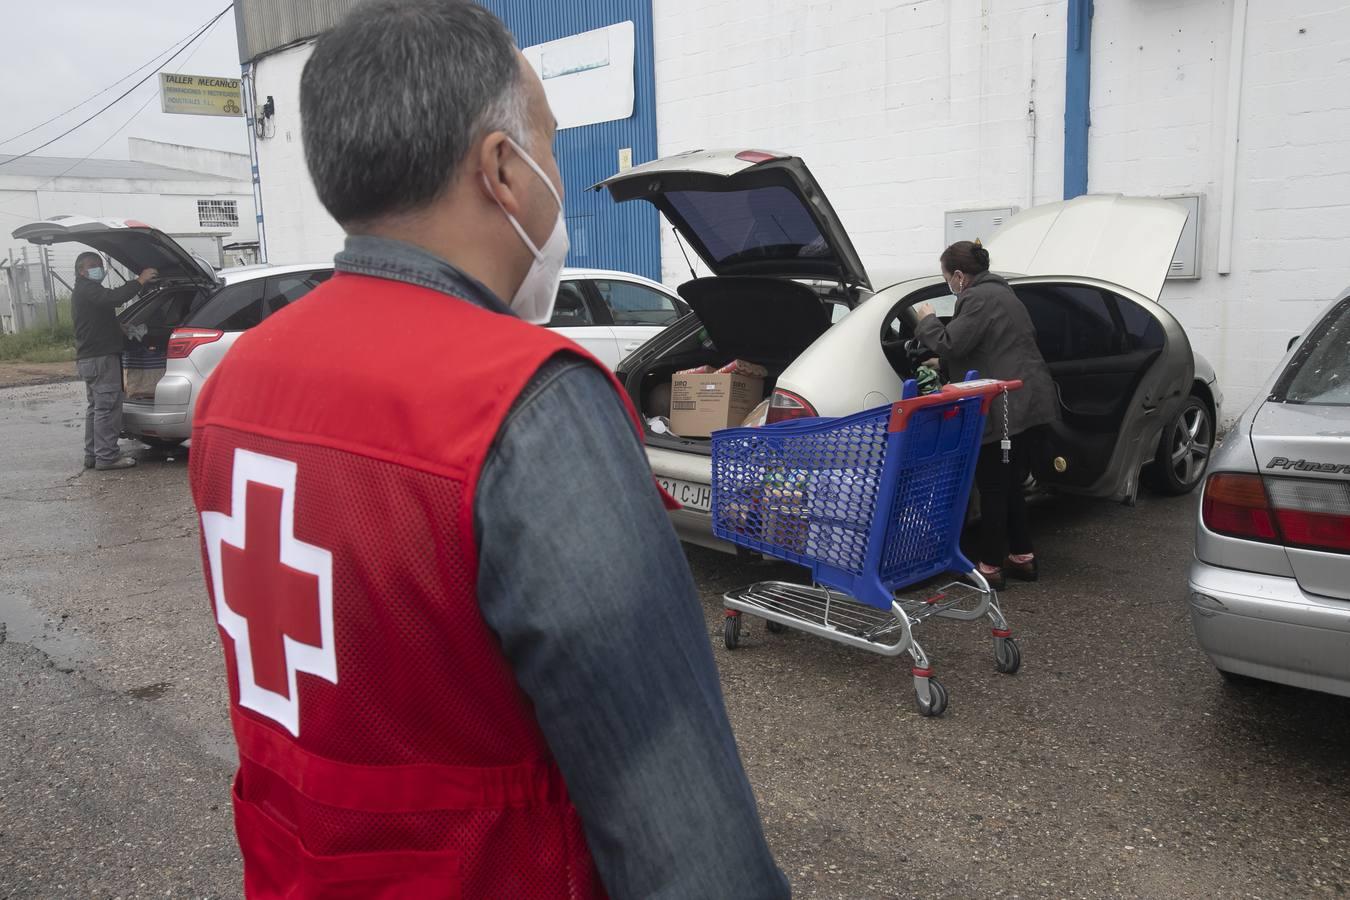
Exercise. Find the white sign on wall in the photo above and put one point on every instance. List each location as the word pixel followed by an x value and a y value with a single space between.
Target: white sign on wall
pixel 589 76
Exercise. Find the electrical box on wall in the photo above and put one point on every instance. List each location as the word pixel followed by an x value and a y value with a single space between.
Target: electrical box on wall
pixel 1186 263
pixel 969 224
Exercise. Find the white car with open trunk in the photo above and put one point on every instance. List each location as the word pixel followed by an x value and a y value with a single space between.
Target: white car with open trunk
pixel 789 292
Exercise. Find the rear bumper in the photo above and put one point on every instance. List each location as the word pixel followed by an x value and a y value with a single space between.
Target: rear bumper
pixel 691 526
pixel 1267 627
pixel 144 419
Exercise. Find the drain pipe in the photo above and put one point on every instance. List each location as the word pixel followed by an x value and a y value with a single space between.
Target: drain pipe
pixel 1232 118
pixel 251 114
pixel 1077 96
pixel 1031 130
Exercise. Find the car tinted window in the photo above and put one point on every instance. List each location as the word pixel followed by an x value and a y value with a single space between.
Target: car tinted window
pixel 1071 322
pixel 1144 330
pixel 285 289
pixel 235 307
pixel 570 309
pixel 633 304
pixel 1319 373
pixel 741 226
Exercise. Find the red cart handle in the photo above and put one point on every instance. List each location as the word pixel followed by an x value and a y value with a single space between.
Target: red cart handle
pixel 985 388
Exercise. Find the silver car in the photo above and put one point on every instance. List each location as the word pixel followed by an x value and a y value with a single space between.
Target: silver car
pixel 181 326
pixel 1270 584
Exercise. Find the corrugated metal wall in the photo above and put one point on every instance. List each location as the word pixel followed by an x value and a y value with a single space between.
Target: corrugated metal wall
pixel 265 25
pixel 604 234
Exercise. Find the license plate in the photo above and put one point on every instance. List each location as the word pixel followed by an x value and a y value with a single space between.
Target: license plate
pixel 689 495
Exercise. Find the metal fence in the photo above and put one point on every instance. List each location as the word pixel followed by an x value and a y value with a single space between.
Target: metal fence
pixel 28 290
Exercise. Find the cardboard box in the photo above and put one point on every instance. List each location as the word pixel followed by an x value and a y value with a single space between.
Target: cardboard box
pixel 702 404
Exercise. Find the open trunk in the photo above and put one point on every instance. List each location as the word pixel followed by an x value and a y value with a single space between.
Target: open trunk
pixel 151 320
pixel 766 321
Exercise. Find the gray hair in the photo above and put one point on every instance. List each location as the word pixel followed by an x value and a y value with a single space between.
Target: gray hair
pixel 393 99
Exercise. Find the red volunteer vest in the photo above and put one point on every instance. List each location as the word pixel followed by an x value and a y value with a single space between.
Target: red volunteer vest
pixel 385 747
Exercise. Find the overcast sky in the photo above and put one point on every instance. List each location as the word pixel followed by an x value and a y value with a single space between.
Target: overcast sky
pixel 56 53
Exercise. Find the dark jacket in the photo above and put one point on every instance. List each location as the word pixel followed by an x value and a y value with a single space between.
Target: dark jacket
pixel 94 310
pixel 992 334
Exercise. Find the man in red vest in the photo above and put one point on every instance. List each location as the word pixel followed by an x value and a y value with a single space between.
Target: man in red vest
pixel 465 655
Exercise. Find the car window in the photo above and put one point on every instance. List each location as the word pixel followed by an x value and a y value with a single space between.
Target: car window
pixel 1319 373
pixel 1144 330
pixel 285 289
pixel 762 223
pixel 235 307
pixel 1071 322
pixel 570 309
pixel 633 304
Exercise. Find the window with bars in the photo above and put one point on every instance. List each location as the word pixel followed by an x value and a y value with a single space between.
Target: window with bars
pixel 218 213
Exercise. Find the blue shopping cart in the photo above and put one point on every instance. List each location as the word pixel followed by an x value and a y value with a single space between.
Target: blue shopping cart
pixel 872 504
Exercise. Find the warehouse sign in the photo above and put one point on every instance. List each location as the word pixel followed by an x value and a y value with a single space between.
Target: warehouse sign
pixel 199 95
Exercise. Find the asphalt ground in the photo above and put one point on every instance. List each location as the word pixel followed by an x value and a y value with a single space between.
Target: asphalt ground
pixel 1115 764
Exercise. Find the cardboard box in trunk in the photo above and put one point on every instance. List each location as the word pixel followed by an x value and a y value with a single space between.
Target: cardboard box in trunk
pixel 702 404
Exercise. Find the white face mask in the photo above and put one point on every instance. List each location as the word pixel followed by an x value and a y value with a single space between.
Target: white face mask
pixel 534 299
pixel 95 273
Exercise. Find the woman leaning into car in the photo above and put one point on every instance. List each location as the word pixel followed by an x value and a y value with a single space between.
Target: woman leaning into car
pixel 991 333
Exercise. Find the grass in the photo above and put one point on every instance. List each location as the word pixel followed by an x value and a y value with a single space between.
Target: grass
pixel 42 345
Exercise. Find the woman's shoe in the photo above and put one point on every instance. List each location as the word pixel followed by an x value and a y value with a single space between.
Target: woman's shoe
pixel 1027 571
pixel 996 580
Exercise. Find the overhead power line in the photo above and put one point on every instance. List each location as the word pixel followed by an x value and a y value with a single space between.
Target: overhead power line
pixel 124 94
pixel 152 61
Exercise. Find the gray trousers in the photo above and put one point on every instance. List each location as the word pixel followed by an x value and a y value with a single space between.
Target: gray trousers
pixel 103 417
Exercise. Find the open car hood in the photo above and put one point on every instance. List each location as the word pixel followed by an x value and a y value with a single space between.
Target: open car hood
pixel 1129 241
pixel 132 244
pixel 747 212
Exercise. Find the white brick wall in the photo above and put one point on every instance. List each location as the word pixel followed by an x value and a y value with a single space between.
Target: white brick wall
pixel 905 110
pixel 902 110
pixel 1159 101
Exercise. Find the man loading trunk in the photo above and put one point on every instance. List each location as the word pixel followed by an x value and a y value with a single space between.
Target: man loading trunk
pixel 98 357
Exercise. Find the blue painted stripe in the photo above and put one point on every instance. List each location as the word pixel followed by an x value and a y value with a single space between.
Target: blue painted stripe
pixel 1077 98
pixel 604 234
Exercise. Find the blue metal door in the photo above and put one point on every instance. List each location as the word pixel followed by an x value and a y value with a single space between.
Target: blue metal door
pixel 604 234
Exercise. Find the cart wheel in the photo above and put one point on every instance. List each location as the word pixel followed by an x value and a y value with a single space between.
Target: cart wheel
pixel 938 705
pixel 731 632
pixel 773 627
pixel 1007 655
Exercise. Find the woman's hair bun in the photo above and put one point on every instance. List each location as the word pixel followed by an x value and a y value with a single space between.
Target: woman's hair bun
pixel 981 255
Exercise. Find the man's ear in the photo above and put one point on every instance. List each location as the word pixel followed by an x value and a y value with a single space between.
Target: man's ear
pixel 497 164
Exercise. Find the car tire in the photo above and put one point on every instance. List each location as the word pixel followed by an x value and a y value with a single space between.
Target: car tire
pixel 1184 449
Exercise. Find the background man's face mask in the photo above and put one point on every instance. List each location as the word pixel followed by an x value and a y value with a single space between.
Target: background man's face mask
pixel 95 273
pixel 534 299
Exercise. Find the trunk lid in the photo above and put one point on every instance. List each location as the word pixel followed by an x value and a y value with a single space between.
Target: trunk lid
pixel 1308 443
pixel 133 244
pixel 1127 241
pixel 1301 438
pixel 747 212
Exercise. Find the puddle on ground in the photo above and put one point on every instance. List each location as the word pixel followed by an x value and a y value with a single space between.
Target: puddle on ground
pixel 22 624
pixel 150 691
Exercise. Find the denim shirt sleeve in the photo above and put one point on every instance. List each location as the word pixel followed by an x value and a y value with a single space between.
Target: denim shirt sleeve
pixel 584 582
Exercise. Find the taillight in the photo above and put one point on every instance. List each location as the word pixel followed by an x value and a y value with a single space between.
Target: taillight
pixel 1312 514
pixel 1236 505
pixel 1298 512
pixel 185 340
pixel 784 406
pixel 755 156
